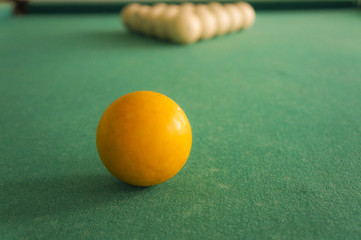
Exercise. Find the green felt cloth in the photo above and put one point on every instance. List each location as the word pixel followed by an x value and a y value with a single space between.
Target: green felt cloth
pixel 275 113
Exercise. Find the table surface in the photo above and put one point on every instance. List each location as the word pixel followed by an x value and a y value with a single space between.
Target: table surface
pixel 275 113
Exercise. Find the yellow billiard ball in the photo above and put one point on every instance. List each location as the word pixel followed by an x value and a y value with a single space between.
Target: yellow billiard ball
pixel 144 138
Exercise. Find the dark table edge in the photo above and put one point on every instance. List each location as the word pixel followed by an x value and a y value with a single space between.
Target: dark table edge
pixel 26 7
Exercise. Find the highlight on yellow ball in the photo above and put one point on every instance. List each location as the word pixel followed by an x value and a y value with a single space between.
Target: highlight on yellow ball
pixel 144 138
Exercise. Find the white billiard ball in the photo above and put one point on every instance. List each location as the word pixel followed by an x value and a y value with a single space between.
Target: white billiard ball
pixel 248 13
pixel 185 28
pixel 236 17
pixel 208 21
pixel 187 6
pixel 128 13
pixel 222 16
pixel 142 18
pixel 162 25
pixel 155 12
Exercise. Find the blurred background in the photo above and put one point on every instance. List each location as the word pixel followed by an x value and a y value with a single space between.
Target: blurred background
pixel 19 7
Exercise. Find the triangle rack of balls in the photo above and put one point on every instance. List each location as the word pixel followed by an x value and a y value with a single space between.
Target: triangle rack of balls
pixel 187 23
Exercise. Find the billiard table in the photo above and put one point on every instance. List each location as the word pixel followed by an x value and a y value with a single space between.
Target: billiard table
pixel 275 112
